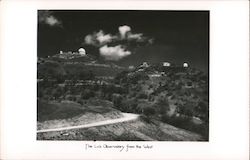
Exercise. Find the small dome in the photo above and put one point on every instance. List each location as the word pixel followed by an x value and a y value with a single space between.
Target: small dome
pixel 166 64
pixel 82 51
pixel 185 65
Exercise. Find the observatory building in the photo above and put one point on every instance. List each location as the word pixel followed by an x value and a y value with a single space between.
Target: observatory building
pixel 82 51
pixel 185 65
pixel 166 64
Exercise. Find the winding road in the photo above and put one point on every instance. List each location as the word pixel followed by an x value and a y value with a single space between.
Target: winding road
pixel 126 117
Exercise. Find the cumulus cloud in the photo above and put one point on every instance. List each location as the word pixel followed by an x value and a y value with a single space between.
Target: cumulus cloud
pixel 89 39
pixel 113 53
pixel 52 21
pixel 123 30
pixel 98 38
pixel 135 36
pixel 115 47
pixel 103 38
pixel 125 34
pixel 47 17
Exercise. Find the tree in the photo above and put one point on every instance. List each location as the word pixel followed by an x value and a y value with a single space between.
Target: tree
pixel 56 93
pixel 149 111
pixel 117 100
pixel 121 77
pixel 162 105
pixel 202 109
pixel 186 109
pixel 142 96
pixel 86 94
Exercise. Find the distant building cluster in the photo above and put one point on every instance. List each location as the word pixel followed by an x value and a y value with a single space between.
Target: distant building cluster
pixel 81 51
pixel 131 67
pixel 157 74
pixel 165 64
pixel 185 65
pixel 145 64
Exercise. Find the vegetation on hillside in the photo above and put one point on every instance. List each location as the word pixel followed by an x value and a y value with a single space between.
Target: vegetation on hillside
pixel 173 95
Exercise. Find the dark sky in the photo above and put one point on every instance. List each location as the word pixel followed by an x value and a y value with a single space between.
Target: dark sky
pixel 179 36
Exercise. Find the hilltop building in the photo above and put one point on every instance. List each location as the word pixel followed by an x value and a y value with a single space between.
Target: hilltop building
pixel 131 67
pixel 82 51
pixel 144 65
pixel 185 65
pixel 155 75
pixel 166 64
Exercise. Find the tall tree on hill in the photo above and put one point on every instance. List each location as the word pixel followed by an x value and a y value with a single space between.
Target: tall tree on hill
pixel 162 105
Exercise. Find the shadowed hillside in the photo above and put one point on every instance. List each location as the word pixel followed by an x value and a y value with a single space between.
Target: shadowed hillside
pixel 162 95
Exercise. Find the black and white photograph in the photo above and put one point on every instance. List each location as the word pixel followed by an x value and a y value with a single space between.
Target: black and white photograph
pixel 123 75
pixel 134 79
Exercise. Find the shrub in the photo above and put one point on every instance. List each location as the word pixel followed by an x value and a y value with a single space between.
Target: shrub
pixel 117 100
pixel 202 111
pixel 80 101
pixel 142 96
pixel 185 122
pixel 86 94
pixel 149 111
pixel 162 105
pixel 188 109
pixel 70 97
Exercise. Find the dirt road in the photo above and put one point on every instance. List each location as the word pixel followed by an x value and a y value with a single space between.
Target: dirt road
pixel 126 117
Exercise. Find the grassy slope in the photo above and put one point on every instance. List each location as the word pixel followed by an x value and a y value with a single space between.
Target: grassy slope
pixel 51 67
pixel 139 130
pixel 64 114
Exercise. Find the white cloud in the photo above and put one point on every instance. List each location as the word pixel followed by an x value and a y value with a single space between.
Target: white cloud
pixel 89 39
pixel 137 36
pixel 103 38
pixel 124 34
pixel 48 18
pixel 52 21
pixel 113 53
pixel 123 39
pixel 98 38
pixel 123 30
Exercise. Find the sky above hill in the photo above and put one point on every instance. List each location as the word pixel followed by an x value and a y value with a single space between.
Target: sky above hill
pixel 127 37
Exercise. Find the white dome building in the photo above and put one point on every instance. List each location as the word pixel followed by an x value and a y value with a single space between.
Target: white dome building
pixel 82 51
pixel 185 65
pixel 131 67
pixel 166 64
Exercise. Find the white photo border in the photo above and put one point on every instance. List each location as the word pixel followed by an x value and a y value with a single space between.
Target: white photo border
pixel 229 84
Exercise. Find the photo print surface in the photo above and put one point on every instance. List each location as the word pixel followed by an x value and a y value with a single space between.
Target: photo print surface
pixel 123 75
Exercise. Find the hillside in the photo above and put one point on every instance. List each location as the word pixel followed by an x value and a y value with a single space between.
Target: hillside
pixel 138 130
pixel 172 95
pixel 76 66
pixel 68 113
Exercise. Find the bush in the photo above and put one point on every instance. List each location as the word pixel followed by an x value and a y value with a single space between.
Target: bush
pixel 186 123
pixel 202 111
pixel 117 100
pixel 188 109
pixel 142 96
pixel 149 111
pixel 70 97
pixel 162 105
pixel 86 94
pixel 80 101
